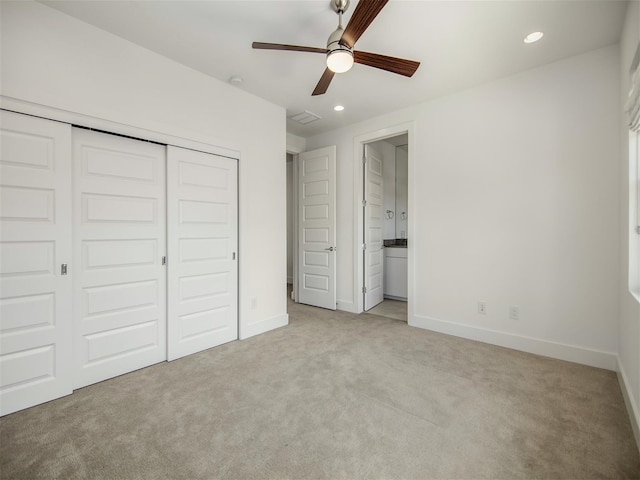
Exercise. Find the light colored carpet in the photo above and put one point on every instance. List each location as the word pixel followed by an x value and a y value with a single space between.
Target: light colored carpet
pixel 334 395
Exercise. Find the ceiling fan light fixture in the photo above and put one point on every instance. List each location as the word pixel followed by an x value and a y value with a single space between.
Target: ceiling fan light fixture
pixel 340 60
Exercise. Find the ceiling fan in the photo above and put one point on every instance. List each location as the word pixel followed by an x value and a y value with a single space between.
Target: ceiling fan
pixel 340 53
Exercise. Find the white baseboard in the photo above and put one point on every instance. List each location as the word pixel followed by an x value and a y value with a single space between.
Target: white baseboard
pixel 571 353
pixel 346 306
pixel 631 403
pixel 262 326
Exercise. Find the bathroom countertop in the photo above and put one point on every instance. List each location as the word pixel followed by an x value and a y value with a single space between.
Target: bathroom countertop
pixel 396 243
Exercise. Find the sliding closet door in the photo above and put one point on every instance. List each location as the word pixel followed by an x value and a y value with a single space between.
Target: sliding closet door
pixel 119 243
pixel 202 208
pixel 35 240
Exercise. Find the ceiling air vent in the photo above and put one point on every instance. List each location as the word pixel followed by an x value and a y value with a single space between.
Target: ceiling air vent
pixel 305 117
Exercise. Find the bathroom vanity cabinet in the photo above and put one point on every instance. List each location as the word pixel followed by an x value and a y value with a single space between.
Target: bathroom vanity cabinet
pixel 395 273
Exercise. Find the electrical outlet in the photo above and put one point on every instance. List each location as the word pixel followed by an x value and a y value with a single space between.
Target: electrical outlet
pixel 514 312
pixel 482 308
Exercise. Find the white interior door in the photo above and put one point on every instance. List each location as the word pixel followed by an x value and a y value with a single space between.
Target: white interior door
pixel 373 222
pixel 35 239
pixel 119 242
pixel 317 227
pixel 202 210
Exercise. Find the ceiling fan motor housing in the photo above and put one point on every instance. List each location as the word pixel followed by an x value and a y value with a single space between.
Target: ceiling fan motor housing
pixel 333 43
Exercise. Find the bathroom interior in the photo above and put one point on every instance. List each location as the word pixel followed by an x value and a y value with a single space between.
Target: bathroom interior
pixel 394 152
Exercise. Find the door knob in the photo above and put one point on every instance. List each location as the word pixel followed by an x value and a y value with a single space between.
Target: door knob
pixel 331 249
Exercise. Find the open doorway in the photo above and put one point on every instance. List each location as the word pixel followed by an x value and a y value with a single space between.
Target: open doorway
pixel 385 228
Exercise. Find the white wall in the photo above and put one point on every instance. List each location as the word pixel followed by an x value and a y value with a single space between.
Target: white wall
pixel 514 201
pixel 54 60
pixel 629 324
pixel 295 144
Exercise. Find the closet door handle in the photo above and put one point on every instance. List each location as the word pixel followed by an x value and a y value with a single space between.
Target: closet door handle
pixel 331 249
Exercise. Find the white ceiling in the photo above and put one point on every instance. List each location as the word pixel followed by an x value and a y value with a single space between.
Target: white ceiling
pixel 459 43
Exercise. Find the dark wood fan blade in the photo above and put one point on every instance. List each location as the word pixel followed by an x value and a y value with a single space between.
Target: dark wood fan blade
pixel 363 15
pixel 281 46
pixel 390 64
pixel 324 82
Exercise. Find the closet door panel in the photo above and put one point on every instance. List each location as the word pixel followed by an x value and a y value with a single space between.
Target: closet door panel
pixel 35 240
pixel 119 242
pixel 203 239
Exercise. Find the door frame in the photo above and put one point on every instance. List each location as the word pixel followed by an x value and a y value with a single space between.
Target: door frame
pixel 358 192
pixel 295 148
pixel 294 212
pixel 294 225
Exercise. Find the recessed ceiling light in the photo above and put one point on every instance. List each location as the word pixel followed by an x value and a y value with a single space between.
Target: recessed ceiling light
pixel 533 37
pixel 338 108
